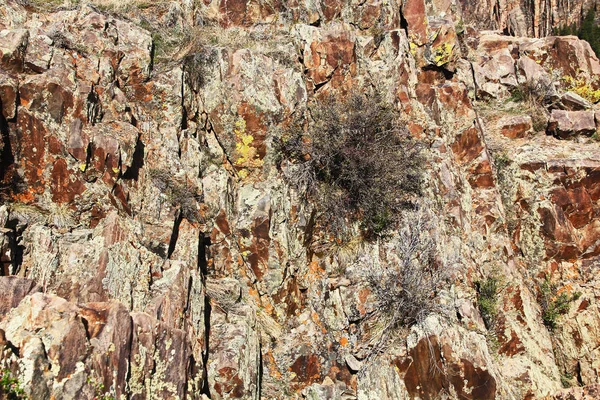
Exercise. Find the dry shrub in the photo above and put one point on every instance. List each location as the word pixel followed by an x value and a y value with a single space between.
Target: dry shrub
pixel 181 195
pixel 355 161
pixel 405 293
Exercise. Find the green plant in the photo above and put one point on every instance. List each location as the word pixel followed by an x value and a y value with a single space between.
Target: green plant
pixel 517 95
pixel 566 380
pixel 487 299
pixel 355 161
pixel 459 27
pixel 10 386
pixel 553 303
pixel 99 391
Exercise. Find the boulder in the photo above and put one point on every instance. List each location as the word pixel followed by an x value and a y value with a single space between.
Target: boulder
pixel 574 102
pixel 564 124
pixel 12 290
pixel 8 95
pixel 13 44
pixel 515 127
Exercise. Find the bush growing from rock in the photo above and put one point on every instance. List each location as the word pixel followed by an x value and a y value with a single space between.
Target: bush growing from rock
pixel 10 387
pixel 355 161
pixel 487 299
pixel 554 304
pixel 405 293
pixel 179 194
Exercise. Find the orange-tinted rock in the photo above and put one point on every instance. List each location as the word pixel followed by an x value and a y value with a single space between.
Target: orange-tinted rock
pixel 31 148
pixel 515 127
pixel 413 12
pixel 576 204
pixel 307 369
pixel 333 55
pixel 513 346
pixel 331 8
pixel 467 145
pixel 468 381
pixel 65 185
pixel 8 95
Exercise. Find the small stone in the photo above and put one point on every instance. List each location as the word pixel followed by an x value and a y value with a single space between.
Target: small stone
pixel 353 364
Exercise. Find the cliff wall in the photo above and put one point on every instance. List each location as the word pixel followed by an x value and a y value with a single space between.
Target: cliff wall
pixel 154 247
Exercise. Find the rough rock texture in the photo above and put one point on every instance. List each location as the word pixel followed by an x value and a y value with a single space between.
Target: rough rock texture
pixel 151 245
pixel 519 17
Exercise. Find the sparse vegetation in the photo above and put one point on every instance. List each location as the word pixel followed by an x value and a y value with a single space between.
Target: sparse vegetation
pixel 530 99
pixel 405 293
pixel 181 195
pixel 566 380
pixel 554 303
pixel 99 391
pixel 356 162
pixel 10 387
pixel 487 299
pixel 582 87
pixel 196 66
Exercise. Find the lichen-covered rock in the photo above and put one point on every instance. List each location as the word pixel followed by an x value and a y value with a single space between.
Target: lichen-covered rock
pixel 163 252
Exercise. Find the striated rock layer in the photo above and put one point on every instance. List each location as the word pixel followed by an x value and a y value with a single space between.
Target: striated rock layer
pixel 152 246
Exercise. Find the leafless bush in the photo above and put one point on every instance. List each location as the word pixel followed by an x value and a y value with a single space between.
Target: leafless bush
pixel 197 66
pixel 405 293
pixel 179 194
pixel 355 161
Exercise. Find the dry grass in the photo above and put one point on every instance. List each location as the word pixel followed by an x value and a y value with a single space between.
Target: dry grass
pixel 114 6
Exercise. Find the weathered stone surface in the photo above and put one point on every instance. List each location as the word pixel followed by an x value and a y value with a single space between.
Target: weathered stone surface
pixel 574 102
pixel 13 290
pixel 522 18
pixel 564 124
pixel 12 49
pixel 145 197
pixel 515 127
pixel 585 393
pixel 8 95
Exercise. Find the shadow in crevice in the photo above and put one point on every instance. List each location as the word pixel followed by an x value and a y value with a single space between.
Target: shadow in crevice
pixel 174 234
pixel 203 244
pixel 7 158
pixel 137 163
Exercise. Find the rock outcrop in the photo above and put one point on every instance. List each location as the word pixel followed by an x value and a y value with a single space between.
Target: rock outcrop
pixel 153 245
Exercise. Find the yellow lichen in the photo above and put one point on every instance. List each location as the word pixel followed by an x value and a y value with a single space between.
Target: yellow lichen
pixel 413 49
pixel 443 53
pixel 582 87
pixel 246 154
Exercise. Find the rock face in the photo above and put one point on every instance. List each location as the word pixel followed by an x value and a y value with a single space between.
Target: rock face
pixel 517 17
pixel 152 244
